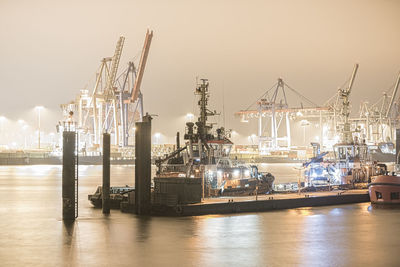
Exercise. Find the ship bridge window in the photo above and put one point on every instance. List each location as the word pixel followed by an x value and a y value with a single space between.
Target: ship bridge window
pixel 378 195
pixel 395 195
pixel 341 153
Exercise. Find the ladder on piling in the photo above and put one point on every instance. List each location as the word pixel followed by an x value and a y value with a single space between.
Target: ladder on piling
pixel 76 175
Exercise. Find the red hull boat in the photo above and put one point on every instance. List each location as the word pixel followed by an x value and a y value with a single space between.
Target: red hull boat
pixel 385 189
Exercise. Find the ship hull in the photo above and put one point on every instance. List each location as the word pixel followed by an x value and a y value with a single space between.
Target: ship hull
pixel 385 190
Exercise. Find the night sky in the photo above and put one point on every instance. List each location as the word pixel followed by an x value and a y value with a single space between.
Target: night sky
pixel 50 50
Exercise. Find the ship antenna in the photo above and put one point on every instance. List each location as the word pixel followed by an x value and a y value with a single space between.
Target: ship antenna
pixel 223 103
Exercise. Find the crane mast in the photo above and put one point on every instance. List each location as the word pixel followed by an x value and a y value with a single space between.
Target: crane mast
pixel 396 87
pixel 344 95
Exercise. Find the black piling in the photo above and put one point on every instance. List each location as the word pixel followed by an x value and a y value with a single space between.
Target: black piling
pixel 178 143
pixel 143 166
pixel 68 176
pixel 106 174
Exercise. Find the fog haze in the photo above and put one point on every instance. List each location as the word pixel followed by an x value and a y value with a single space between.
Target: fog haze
pixel 49 50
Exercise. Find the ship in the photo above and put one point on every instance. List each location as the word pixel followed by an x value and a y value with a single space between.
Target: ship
pixel 384 190
pixel 117 195
pixel 206 155
pixel 351 164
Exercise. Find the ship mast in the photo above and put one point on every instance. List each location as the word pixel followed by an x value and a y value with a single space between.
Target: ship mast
pixel 202 126
pixel 344 95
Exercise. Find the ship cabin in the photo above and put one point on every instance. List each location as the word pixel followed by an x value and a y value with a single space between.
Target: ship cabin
pixel 221 150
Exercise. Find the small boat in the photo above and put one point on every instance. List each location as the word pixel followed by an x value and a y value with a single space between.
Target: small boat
pixel 117 195
pixel 385 189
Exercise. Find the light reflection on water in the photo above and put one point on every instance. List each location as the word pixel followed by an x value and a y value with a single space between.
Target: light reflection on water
pixel 32 233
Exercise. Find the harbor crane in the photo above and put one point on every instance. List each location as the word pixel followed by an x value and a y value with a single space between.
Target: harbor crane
pixel 273 106
pixel 382 117
pixel 116 101
pixel 344 95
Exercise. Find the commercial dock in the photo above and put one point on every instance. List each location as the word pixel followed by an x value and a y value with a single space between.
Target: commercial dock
pixel 189 176
pixel 199 133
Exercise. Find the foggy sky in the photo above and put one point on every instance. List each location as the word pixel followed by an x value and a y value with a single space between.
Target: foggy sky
pixel 49 50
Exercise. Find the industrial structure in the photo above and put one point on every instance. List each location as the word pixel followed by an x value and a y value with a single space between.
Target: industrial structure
pixel 113 105
pixel 375 123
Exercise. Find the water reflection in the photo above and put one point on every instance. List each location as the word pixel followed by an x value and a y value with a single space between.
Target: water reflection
pixel 33 234
pixel 143 226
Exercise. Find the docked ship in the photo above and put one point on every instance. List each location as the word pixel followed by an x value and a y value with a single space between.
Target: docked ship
pixel 117 195
pixel 351 164
pixel 205 156
pixel 385 189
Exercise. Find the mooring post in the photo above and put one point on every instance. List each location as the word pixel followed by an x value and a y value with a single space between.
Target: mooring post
pixel 397 160
pixel 143 166
pixel 68 176
pixel 178 143
pixel 106 174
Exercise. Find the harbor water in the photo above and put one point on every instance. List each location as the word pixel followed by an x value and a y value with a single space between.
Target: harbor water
pixel 33 234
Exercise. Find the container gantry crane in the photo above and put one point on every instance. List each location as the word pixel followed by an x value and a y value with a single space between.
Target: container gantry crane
pixel 115 102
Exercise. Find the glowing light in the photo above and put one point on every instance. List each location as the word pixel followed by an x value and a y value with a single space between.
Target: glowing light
pixel 157 137
pixel 236 174
pixel 189 117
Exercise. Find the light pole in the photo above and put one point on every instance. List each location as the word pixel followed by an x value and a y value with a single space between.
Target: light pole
pixel 304 124
pixel 157 136
pixel 24 128
pixel 38 109
pixel 22 125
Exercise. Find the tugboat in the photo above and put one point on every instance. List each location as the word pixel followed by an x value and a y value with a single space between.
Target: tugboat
pixel 206 156
pixel 385 189
pixel 352 166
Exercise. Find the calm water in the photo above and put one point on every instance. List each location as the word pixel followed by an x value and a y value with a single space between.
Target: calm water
pixel 32 233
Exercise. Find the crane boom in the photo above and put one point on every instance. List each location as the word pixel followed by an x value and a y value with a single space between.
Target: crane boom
pixel 396 87
pixel 115 63
pixel 352 79
pixel 142 65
